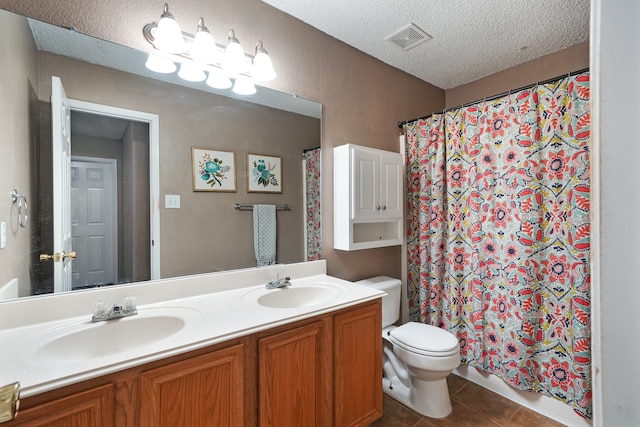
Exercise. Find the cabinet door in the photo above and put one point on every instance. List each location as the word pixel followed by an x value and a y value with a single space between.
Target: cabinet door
pixel 93 407
pixel 391 196
pixel 294 378
pixel 357 366
pixel 365 184
pixel 206 390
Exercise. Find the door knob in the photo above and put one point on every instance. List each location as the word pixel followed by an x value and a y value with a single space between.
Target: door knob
pixel 58 256
pixel 45 257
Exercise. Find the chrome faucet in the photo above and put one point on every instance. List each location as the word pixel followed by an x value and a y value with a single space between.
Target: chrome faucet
pixel 279 283
pixel 100 312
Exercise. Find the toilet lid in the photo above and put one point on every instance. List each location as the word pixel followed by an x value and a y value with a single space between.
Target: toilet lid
pixel 424 339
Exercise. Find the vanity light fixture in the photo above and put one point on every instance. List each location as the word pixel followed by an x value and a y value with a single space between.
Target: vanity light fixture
pixel 198 54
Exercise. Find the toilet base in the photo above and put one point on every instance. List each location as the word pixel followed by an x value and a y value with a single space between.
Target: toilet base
pixel 429 398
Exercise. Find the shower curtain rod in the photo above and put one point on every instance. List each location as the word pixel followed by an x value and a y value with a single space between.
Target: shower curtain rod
pixel 491 98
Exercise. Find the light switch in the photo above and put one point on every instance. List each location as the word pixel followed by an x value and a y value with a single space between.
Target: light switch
pixel 172 201
pixel 3 235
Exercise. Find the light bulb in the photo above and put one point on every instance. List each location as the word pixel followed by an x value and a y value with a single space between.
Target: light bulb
pixel 159 64
pixel 234 61
pixel 168 36
pixel 190 72
pixel 204 47
pixel 218 80
pixel 244 86
pixel 262 66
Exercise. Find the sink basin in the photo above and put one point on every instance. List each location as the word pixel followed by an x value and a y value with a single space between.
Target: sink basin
pixel 86 340
pixel 294 296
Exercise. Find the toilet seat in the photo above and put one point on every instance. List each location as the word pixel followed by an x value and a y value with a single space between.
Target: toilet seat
pixel 424 339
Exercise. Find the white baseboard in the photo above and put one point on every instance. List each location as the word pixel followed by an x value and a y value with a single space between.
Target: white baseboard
pixel 545 405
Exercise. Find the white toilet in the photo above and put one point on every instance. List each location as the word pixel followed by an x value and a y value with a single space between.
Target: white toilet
pixel 417 357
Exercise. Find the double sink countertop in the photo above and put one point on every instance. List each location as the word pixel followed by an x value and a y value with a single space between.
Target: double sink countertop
pixel 50 342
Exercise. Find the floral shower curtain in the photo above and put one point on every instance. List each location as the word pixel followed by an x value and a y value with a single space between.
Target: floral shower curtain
pixel 498 235
pixel 313 247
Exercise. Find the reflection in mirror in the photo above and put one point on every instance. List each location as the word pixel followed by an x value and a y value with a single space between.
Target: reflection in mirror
pixel 202 232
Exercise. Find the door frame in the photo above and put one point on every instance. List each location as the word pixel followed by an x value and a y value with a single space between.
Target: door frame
pixel 153 120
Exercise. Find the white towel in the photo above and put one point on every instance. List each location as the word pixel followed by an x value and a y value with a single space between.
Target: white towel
pixel 264 234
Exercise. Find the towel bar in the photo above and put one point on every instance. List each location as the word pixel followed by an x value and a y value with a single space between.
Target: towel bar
pixel 240 207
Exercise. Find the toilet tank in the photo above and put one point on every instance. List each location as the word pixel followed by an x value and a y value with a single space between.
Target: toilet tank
pixel 391 301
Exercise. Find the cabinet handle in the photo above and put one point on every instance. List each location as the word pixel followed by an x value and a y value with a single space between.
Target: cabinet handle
pixel 9 402
pixel 377 208
pixel 384 208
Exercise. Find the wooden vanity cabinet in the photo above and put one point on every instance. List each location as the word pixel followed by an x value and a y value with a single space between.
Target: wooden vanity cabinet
pixel 323 371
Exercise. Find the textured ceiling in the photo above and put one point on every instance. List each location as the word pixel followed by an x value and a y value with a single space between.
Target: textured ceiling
pixel 471 39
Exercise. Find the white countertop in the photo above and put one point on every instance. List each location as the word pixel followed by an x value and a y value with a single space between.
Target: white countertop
pixel 226 311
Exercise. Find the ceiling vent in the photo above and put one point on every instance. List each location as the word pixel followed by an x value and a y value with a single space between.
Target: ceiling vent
pixel 408 37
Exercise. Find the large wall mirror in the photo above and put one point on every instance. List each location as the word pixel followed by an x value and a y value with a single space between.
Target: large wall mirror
pixel 115 152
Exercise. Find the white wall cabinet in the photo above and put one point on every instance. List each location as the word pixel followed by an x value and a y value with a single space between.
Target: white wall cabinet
pixel 367 197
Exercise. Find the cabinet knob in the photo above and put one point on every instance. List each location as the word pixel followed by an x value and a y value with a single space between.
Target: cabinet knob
pixel 384 208
pixel 377 208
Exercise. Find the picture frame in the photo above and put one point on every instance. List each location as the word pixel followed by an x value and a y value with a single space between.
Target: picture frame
pixel 213 170
pixel 264 173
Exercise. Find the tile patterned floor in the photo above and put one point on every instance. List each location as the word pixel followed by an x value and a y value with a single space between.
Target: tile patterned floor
pixel 473 406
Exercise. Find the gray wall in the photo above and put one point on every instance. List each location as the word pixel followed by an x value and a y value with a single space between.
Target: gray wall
pixel 18 121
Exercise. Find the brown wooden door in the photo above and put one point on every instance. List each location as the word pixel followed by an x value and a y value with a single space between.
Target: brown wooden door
pixel 93 407
pixel 203 391
pixel 294 382
pixel 357 366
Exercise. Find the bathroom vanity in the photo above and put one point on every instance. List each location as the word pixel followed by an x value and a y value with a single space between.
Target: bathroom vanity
pixel 305 355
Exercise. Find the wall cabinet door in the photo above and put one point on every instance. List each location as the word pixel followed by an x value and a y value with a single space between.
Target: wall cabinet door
pixel 365 184
pixel 391 172
pixel 202 391
pixel 357 366
pixel 93 407
pixel 294 378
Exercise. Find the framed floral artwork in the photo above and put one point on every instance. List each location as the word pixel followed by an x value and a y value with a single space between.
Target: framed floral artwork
pixel 213 170
pixel 264 174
